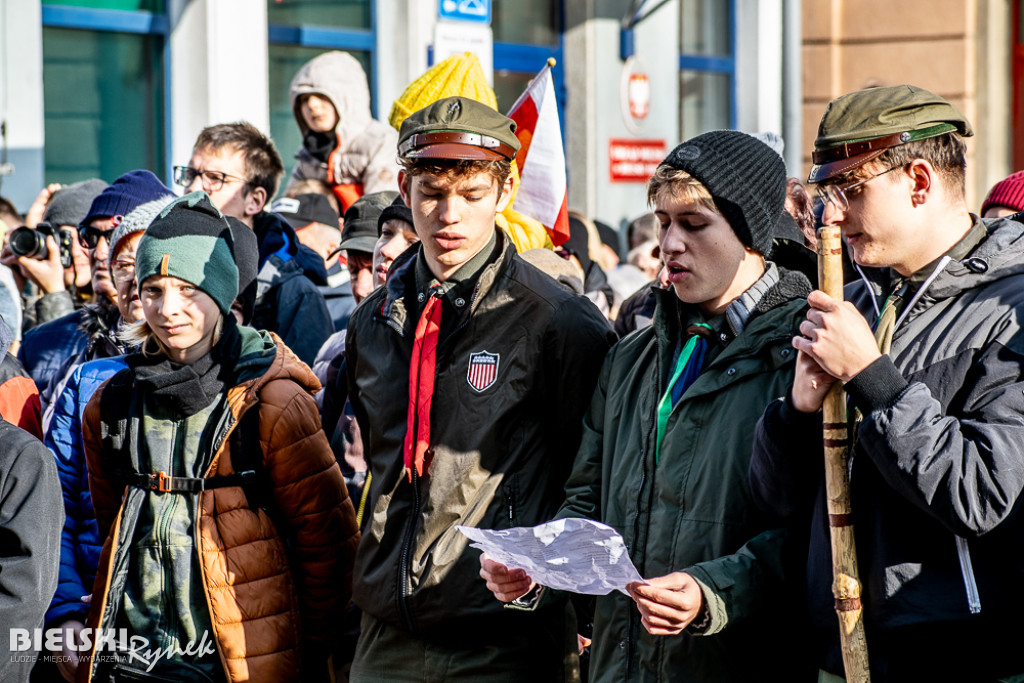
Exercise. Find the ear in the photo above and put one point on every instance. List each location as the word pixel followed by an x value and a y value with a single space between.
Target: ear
pixel 505 194
pixel 403 187
pixel 255 201
pixel 923 177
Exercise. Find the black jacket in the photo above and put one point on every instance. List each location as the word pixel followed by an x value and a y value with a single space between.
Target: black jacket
pixel 937 475
pixel 502 452
pixel 31 519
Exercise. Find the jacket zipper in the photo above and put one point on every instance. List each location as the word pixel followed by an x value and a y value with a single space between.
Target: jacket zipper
pixel 410 531
pixel 967 569
pixel 403 573
pixel 162 527
pixel 639 508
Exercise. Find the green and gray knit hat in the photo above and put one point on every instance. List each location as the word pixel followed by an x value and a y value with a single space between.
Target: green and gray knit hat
pixel 191 240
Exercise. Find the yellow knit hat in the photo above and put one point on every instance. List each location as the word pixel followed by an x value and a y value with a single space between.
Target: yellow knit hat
pixel 462 75
pixel 458 75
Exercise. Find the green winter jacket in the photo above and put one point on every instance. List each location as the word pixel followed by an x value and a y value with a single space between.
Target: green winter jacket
pixel 692 512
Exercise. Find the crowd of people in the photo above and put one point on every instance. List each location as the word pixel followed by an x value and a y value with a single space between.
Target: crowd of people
pixel 241 426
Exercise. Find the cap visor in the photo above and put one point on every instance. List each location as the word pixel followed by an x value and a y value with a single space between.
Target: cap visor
pixel 359 243
pixel 832 169
pixel 294 221
pixel 453 150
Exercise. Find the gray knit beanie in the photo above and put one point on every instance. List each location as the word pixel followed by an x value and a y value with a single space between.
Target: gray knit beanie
pixel 137 220
pixel 69 205
pixel 746 178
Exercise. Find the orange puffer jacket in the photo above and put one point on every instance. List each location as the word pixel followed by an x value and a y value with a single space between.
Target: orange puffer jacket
pixel 263 608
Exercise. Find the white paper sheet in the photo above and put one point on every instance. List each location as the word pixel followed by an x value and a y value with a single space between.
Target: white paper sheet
pixel 577 555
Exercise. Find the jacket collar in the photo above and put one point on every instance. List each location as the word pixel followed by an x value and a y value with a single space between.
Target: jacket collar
pixel 399 302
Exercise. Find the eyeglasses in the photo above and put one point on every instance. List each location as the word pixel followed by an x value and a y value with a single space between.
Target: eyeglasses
pixel 211 180
pixel 90 236
pixel 835 194
pixel 123 270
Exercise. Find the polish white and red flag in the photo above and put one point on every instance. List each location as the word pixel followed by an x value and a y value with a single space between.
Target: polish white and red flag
pixel 541 159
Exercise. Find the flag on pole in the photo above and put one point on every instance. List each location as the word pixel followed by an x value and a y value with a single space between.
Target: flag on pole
pixel 541 159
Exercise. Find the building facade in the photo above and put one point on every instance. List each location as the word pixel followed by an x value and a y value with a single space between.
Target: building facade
pixel 99 87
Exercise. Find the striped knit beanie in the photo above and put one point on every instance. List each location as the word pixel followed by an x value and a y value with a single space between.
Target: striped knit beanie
pixel 191 240
pixel 746 178
pixel 1008 192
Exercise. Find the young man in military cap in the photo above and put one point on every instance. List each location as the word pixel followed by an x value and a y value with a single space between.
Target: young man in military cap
pixel 929 346
pixel 469 372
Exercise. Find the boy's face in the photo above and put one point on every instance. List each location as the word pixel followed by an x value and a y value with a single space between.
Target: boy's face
pixel 453 215
pixel 705 261
pixel 319 114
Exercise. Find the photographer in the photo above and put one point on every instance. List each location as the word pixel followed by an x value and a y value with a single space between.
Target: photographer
pixel 87 332
pixel 52 221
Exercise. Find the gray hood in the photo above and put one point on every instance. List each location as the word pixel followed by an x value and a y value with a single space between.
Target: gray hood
pixel 339 77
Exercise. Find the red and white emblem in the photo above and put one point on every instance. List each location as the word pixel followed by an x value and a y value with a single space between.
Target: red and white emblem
pixel 483 370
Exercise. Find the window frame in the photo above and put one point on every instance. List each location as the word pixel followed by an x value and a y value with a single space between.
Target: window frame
pixel 723 65
pixel 333 38
pixel 139 22
pixel 529 59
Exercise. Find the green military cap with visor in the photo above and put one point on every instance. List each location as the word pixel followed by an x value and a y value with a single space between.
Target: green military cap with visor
pixel 861 125
pixel 458 128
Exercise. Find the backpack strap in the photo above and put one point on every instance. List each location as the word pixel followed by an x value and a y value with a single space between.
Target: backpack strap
pixel 113 415
pixel 247 456
pixel 164 483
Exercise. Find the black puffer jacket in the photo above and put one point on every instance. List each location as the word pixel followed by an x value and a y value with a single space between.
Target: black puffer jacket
pixel 937 475
pixel 501 453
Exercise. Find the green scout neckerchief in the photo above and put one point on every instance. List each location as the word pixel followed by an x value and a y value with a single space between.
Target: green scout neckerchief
pixel 694 343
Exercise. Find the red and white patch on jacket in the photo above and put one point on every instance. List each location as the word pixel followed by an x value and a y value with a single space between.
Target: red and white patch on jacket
pixel 483 369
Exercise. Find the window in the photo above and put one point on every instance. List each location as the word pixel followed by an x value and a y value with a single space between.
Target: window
pixel 103 89
pixel 300 30
pixel 707 66
pixel 526 33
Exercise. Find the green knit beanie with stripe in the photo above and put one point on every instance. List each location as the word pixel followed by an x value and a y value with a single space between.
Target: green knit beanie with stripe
pixel 191 240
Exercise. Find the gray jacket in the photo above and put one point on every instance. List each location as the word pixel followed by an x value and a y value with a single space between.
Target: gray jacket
pixel 937 474
pixel 366 152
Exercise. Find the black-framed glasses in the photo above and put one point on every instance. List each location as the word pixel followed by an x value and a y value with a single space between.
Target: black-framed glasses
pixel 211 180
pixel 835 194
pixel 90 236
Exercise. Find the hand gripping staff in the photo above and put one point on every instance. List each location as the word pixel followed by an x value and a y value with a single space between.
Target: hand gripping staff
pixel 846 580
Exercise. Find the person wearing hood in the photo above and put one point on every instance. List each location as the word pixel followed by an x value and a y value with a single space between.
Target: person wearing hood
pixel 229 533
pixel 239 167
pixel 342 143
pixel 930 349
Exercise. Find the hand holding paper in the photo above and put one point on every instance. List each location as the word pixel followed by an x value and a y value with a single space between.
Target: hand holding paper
pixel 577 555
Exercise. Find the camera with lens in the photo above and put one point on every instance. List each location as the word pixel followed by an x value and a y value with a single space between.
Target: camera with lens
pixel 31 242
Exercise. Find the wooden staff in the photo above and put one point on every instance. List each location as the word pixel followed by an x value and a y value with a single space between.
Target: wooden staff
pixel 846 580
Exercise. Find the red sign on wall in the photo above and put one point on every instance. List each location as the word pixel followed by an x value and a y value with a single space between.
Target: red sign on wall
pixel 634 161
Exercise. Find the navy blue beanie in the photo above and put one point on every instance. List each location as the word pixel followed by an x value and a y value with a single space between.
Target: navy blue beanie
pixel 132 189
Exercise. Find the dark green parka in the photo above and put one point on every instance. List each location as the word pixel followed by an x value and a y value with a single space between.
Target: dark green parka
pixel 692 511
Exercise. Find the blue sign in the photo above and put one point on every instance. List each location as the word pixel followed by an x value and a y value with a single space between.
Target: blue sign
pixel 465 10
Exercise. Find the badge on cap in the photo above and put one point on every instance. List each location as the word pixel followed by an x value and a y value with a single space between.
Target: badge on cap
pixel 483 370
